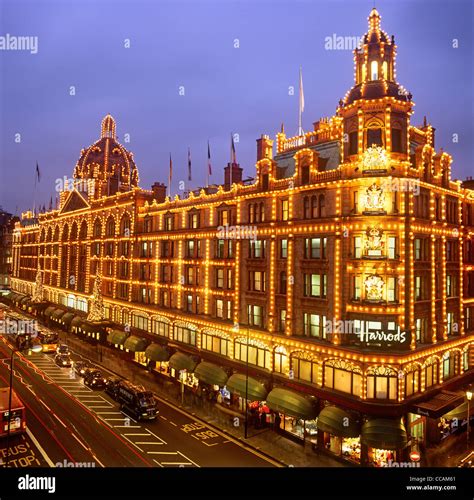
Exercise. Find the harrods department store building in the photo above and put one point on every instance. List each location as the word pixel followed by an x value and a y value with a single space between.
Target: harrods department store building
pixel 344 272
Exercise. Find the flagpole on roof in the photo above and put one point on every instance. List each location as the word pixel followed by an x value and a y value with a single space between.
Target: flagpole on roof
pixel 170 176
pixel 37 178
pixel 300 104
pixel 209 172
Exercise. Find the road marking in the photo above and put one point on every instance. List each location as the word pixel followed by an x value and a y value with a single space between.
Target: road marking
pixel 164 418
pixel 134 444
pixel 113 419
pixel 79 441
pixel 176 463
pixel 127 426
pixel 172 423
pixel 156 462
pixel 57 418
pixel 149 442
pixel 40 448
pixel 136 434
pixel 91 407
pixel 108 413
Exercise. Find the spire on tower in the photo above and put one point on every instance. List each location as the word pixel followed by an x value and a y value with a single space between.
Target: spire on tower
pixel 108 127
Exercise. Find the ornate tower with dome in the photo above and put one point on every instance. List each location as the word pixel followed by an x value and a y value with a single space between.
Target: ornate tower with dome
pixel 106 166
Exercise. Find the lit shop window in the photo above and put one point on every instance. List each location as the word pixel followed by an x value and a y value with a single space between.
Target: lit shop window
pixel 185 335
pixel 160 327
pixel 215 342
pixel 374 70
pixel 431 371
pixel 412 379
pixel 258 353
pixel 382 383
pixel 343 376
pixel 304 367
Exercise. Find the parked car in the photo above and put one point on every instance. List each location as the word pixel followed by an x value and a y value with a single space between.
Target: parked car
pixel 63 360
pixel 80 367
pixel 112 385
pixel 94 379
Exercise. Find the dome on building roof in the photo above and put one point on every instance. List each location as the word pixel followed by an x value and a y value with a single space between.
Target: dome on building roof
pixel 108 161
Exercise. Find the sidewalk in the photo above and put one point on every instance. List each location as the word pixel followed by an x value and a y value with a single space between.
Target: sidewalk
pixel 265 441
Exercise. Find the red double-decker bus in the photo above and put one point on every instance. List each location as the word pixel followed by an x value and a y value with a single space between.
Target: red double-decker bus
pixel 18 418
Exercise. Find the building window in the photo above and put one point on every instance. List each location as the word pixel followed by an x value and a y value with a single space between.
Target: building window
pixel 258 354
pixel 283 282
pixel 431 372
pixel 185 335
pixel 392 295
pixel 160 328
pixel 215 343
pixel 285 210
pixel 280 360
pixel 450 324
pixel 255 315
pixel 412 380
pixel 397 140
pixel 357 294
pixel 374 137
pixel 283 249
pixel 230 279
pixel 193 220
pixel 357 249
pixel 140 322
pixel 342 376
pixel 169 223
pixel 257 281
pixel 305 175
pixel 220 277
pixel 374 70
pixel 451 286
pixel 418 288
pixel 220 248
pixel 314 326
pixel 392 247
pixel 219 308
pixel 382 383
pixel 315 285
pixel 223 217
pixel 282 318
pixel 304 367
pixel 353 143
pixel 450 365
pixel 315 248
pixel 256 249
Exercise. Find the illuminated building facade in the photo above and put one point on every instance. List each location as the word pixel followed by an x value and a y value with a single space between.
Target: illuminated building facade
pixel 345 270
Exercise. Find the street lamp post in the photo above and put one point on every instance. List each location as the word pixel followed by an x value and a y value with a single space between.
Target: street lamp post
pixel 469 397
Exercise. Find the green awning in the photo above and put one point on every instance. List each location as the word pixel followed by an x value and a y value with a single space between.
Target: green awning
pixel 291 403
pixel 135 344
pixel 24 300
pixel 67 318
pixel 19 297
pixel 49 310
pixel 77 320
pixel 210 373
pixel 180 361
pixel 11 296
pixel 460 412
pixel 8 296
pixel 157 352
pixel 338 422
pixel 40 305
pixel 88 327
pixel 255 390
pixel 384 434
pixel 58 313
pixel 117 337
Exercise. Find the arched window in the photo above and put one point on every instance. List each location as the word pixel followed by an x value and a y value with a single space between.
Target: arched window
pixel 343 376
pixel 304 367
pixel 385 70
pixel 56 234
pixel 382 383
pixel 74 232
pixel 83 232
pixel 280 360
pixel 306 208
pixel 450 365
pixel 125 226
pixel 65 235
pixel 305 175
pixel 97 229
pixel 374 70
pixel 431 371
pixel 314 207
pixel 412 379
pixel 322 205
pixel 110 228
pixel 215 341
pixel 257 353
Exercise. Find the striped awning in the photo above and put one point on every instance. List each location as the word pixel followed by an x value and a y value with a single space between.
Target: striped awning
pixel 77 320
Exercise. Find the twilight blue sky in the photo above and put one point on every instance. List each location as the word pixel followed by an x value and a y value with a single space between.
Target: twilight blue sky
pixel 190 43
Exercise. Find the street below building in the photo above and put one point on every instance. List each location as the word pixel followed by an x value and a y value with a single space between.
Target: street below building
pixel 76 424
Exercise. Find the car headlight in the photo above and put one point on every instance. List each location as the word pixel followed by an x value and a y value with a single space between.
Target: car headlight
pixel 64 362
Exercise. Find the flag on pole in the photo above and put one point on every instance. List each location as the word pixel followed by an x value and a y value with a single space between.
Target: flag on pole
pixel 301 104
pixel 189 165
pixel 233 155
pixel 38 175
pixel 209 168
pixel 170 177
